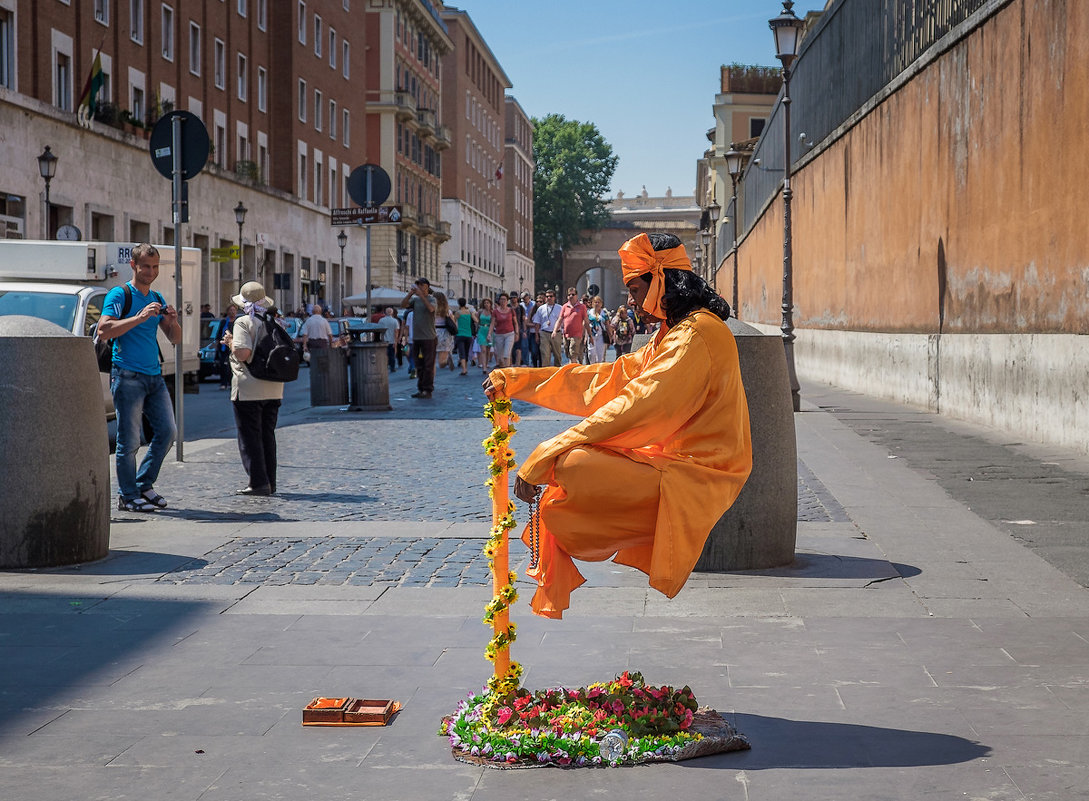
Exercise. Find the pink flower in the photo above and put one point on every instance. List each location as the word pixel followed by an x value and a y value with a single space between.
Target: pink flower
pixel 505 713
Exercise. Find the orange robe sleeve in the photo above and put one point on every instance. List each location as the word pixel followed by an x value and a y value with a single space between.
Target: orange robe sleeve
pixel 677 405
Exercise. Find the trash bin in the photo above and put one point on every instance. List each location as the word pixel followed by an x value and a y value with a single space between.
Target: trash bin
pixel 369 388
pixel 55 477
pixel 328 377
pixel 760 530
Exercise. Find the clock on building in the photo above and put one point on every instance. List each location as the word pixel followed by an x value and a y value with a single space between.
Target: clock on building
pixel 69 233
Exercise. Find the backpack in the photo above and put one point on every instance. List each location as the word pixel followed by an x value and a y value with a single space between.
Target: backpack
pixel 274 356
pixel 104 347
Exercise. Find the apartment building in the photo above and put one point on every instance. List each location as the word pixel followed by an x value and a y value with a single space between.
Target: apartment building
pixel 473 178
pixel 406 42
pixel 517 182
pixel 273 83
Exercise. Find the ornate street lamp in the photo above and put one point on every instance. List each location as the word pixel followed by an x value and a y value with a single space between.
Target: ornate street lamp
pixel 342 240
pixel 240 218
pixel 705 242
pixel 734 161
pixel 714 211
pixel 47 166
pixel 788 32
pixel 449 269
pixel 470 292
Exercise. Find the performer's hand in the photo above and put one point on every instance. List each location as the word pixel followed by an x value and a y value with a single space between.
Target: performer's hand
pixel 489 389
pixel 523 490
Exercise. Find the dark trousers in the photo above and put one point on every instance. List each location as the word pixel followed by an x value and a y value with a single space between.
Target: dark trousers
pixel 534 350
pixel 256 424
pixel 424 357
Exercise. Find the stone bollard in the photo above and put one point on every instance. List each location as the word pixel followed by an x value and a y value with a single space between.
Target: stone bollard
pixel 760 530
pixel 55 475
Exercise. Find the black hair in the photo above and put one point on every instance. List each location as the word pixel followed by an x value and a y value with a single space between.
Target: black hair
pixel 684 291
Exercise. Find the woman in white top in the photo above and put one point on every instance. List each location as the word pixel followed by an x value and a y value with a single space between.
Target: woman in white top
pixel 599 327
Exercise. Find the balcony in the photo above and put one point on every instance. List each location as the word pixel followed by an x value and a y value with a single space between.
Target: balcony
pixel 442 137
pixel 402 104
pixel 425 121
pixel 427 222
pixel 442 231
pixel 247 169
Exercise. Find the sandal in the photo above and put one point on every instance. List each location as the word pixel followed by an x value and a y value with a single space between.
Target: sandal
pixel 154 498
pixel 135 505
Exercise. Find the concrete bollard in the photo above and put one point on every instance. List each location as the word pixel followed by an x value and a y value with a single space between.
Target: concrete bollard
pixel 55 476
pixel 760 530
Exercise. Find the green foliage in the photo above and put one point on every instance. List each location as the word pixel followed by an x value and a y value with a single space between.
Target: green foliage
pixel 574 167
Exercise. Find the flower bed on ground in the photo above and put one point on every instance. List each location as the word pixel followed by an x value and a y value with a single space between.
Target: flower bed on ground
pixel 567 727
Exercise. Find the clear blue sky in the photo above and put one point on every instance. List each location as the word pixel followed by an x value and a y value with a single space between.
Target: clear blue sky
pixel 646 73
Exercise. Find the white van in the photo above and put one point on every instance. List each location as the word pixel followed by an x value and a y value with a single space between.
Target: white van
pixel 66 283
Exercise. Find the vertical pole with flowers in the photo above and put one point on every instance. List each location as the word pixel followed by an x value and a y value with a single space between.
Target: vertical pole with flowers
pixel 507 674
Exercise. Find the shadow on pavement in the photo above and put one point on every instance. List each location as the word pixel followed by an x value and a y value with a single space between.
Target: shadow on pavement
pixel 124 563
pixel 785 743
pixel 834 566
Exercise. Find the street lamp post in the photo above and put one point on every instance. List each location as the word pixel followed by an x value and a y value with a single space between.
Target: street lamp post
pixel 733 166
pixel 713 213
pixel 705 242
pixel 470 293
pixel 342 240
pixel 449 269
pixel 47 166
pixel 787 29
pixel 240 218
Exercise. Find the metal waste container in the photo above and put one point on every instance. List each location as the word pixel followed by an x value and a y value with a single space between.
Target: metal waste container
pixel 369 387
pixel 328 377
pixel 55 477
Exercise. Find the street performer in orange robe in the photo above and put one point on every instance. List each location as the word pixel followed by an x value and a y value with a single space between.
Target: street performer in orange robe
pixel 664 448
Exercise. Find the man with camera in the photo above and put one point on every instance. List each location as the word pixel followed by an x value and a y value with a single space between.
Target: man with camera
pixel 424 336
pixel 136 379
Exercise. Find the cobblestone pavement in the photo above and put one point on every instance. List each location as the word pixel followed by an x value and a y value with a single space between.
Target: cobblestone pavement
pixel 420 462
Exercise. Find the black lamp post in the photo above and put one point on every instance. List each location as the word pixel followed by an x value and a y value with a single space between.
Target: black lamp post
pixel 240 218
pixel 734 159
pixel 449 269
pixel 47 166
pixel 342 240
pixel 705 241
pixel 788 30
pixel 470 293
pixel 714 211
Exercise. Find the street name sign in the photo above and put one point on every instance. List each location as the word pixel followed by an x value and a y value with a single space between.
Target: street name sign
pixel 366 216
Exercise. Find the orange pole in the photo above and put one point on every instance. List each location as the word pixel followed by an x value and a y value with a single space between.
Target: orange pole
pixel 501 564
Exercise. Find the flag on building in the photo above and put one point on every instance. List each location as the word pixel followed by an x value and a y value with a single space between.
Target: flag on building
pixel 94 83
pixel 499 171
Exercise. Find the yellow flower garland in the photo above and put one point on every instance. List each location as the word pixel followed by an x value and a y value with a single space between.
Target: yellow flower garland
pixel 507 675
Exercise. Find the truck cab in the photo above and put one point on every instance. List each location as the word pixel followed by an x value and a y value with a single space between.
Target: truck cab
pixel 66 283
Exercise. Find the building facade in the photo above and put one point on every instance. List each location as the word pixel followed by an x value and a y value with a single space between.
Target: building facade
pixel 472 183
pixel 271 82
pixel 407 41
pixel 517 183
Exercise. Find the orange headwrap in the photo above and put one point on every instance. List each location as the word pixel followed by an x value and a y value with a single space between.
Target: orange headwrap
pixel 638 257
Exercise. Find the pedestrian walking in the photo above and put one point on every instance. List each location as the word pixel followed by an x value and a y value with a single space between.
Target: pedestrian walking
pixel 444 339
pixel 136 379
pixel 316 331
pixel 256 401
pixel 573 322
pixel 545 317
pixel 599 331
pixel 389 336
pixel 463 341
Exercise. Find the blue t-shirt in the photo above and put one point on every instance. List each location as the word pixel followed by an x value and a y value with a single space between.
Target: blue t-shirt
pixel 138 348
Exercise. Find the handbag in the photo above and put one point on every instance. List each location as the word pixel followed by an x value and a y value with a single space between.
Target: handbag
pixel 451 325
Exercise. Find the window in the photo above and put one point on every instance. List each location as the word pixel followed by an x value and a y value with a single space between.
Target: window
pixel 7 49
pixel 168 33
pixel 302 176
pixel 194 48
pixel 317 36
pixel 332 119
pixel 317 110
pixel 102 11
pixel 242 8
pixel 136 21
pixel 756 126
pixel 302 100
pixel 138 102
pixel 219 57
pixel 344 60
pixel 262 88
pixel 317 182
pixel 62 76
pixel 344 129
pixel 332 48
pixel 243 77
pixel 262 14
pixel 302 22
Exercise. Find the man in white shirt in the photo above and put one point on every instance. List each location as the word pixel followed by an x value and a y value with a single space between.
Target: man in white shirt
pixel 316 332
pixel 389 322
pixel 550 338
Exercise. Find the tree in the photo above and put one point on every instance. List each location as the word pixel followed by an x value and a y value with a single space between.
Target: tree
pixel 574 167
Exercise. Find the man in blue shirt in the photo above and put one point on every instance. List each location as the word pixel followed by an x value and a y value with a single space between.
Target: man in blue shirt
pixel 136 380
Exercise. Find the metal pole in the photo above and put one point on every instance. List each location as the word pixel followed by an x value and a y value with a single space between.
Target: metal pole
pixel 341 307
pixel 788 269
pixel 176 186
pixel 733 202
pixel 367 228
pixel 48 208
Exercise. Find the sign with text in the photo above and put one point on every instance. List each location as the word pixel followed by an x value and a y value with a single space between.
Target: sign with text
pixel 371 216
pixel 225 254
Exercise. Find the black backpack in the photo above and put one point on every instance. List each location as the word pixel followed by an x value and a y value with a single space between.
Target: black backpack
pixel 274 356
pixel 104 347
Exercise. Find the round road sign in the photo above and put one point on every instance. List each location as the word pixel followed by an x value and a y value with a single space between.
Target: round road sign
pixel 369 185
pixel 194 145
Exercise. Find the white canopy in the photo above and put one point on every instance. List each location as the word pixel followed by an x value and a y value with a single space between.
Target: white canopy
pixel 381 295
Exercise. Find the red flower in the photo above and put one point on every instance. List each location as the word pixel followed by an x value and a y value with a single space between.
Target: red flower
pixel 505 713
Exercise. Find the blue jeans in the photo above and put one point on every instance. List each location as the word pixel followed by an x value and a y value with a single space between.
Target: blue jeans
pixel 136 395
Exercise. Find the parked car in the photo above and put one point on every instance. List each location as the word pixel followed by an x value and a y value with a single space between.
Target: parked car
pixel 208 330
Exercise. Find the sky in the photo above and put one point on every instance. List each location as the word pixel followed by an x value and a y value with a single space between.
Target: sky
pixel 644 71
